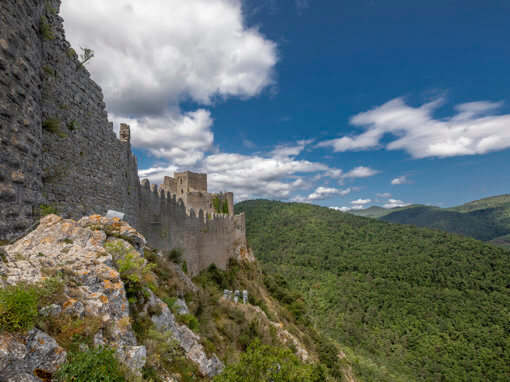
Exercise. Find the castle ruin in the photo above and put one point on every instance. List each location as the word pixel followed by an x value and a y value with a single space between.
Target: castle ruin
pixel 191 188
pixel 58 151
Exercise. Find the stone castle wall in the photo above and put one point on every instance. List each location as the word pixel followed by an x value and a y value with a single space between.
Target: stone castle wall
pixel 57 147
pixel 21 57
pixel 204 238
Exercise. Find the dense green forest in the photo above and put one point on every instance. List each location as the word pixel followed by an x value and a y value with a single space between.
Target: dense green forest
pixel 405 303
pixel 485 219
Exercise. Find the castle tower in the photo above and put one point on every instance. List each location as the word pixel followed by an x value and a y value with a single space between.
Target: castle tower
pixel 188 181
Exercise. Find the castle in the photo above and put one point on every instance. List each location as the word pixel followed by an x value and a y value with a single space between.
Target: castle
pixel 58 151
pixel 191 188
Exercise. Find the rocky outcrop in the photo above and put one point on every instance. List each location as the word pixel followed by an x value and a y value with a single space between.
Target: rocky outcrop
pixel 187 339
pixel 93 287
pixel 29 357
pixel 75 251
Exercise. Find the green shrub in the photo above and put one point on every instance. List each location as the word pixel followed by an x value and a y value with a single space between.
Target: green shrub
pixel 224 208
pixel 73 125
pixel 135 272
pixel 45 29
pixel 175 255
pixel 52 125
pixel 216 203
pixel 189 320
pixel 91 365
pixel 18 307
pixel 46 209
pixel 49 9
pixel 71 53
pixel 19 304
pixel 269 363
pixel 49 70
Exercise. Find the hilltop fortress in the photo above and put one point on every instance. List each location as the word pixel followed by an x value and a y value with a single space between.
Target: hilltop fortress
pixel 58 151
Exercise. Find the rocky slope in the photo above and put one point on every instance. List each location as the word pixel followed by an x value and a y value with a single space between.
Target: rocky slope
pixel 73 290
pixel 77 252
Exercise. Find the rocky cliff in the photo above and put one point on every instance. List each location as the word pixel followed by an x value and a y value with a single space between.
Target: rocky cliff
pixel 75 292
pixel 90 259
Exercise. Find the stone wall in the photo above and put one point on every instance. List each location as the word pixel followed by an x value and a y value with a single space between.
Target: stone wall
pixel 86 169
pixel 203 238
pixel 58 149
pixel 188 181
pixel 206 201
pixel 21 57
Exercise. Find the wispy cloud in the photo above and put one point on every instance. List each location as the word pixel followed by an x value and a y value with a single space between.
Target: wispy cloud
pixel 400 180
pixel 249 144
pixel 342 209
pixel 392 203
pixel 301 5
pixel 322 193
pixel 361 202
pixel 360 172
pixel 384 195
pixel 474 129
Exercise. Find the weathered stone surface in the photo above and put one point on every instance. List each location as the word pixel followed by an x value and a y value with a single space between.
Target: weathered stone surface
pixel 71 247
pixel 187 339
pixel 22 355
pixel 181 307
pixel 114 227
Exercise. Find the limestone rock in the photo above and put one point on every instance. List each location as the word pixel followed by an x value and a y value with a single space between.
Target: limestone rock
pixel 186 338
pixel 35 353
pixel 114 227
pixel 93 285
pixel 181 307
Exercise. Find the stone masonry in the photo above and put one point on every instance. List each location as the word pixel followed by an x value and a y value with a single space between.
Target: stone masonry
pixel 58 150
pixel 191 188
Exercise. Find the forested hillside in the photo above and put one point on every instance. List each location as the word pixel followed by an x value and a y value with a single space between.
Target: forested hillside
pixel 405 303
pixel 485 219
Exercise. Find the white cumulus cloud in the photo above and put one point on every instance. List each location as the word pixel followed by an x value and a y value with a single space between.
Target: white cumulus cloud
pixel 360 172
pixel 361 202
pixel 152 55
pixel 180 138
pixel 474 129
pixel 400 180
pixel 392 203
pixel 343 208
pixel 322 193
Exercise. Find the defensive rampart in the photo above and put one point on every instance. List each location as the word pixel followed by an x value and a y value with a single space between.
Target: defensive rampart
pixel 58 149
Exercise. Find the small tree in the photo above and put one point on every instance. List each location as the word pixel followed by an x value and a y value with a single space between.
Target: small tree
pixel 86 55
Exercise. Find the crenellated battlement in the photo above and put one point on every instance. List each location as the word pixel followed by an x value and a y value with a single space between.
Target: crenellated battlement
pixel 191 210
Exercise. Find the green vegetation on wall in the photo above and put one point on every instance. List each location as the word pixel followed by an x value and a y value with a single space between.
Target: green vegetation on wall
pixel 405 303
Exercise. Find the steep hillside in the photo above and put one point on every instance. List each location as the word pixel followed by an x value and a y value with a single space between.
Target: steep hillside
pixel 87 301
pixel 405 303
pixel 484 219
pixel 483 224
pixel 490 202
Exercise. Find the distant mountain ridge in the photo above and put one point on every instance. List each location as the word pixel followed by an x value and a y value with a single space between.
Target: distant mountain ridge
pixel 486 219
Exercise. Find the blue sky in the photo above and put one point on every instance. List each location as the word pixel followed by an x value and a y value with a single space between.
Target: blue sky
pixel 340 103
